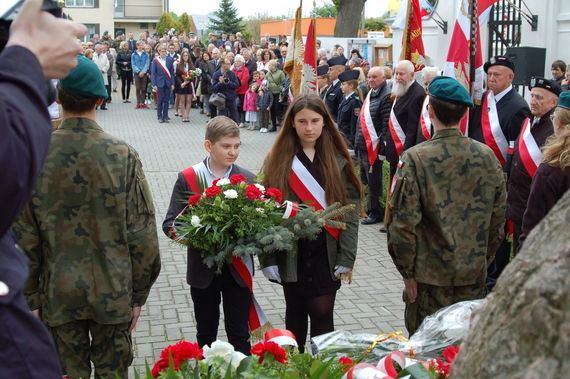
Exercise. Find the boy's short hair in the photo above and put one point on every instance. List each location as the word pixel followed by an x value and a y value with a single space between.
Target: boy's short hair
pixel 559 64
pixel 219 127
pixel 72 104
pixel 448 113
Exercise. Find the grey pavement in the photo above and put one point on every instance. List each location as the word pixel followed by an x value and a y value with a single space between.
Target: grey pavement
pixel 372 303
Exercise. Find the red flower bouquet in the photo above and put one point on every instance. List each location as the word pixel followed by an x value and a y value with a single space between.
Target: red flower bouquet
pixel 270 350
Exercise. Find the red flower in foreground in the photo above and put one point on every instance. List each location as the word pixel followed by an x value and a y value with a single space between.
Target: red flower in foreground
pixel 440 367
pixel 450 353
pixel 235 179
pixel 181 352
pixel 215 181
pixel 346 362
pixel 194 199
pixel 272 348
pixel 275 194
pixel 213 191
pixel 252 192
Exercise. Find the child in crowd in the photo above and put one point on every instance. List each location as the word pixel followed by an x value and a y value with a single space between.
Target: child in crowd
pixel 249 105
pixel 262 74
pixel 255 77
pixel 206 286
pixel 263 105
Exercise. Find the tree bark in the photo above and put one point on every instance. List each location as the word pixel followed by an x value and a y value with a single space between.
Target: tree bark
pixel 348 18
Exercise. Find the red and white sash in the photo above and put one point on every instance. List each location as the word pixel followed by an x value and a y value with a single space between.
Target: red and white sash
pixel 308 189
pixel 492 132
pixel 529 150
pixel 425 122
pixel 257 317
pixel 396 131
pixel 163 67
pixel 368 131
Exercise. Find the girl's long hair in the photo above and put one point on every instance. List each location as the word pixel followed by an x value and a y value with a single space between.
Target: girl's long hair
pixel 277 166
pixel 180 68
pixel 556 151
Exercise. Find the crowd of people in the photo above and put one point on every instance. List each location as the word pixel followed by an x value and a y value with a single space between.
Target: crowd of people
pixel 468 183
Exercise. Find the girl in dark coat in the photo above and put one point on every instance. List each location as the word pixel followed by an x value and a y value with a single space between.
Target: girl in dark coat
pixel 349 107
pixel 184 84
pixel 125 71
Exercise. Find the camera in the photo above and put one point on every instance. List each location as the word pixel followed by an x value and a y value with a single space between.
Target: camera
pixel 226 79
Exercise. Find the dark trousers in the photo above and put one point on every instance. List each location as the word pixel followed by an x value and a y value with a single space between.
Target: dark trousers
pixel 126 79
pixel 275 111
pixel 140 85
pixel 374 180
pixel 502 258
pixel 236 311
pixel 263 115
pixel 163 94
pixel 230 110
pixel 241 112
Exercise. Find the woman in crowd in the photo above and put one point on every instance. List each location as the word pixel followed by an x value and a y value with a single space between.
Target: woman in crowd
pixel 275 78
pixel 184 85
pixel 88 53
pixel 552 179
pixel 151 95
pixel 124 69
pixel 264 59
pixel 243 75
pixel 349 108
pixel 309 155
pixel 140 67
pixel 206 78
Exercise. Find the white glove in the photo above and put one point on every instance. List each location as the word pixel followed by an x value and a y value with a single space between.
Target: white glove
pixel 341 270
pixel 272 273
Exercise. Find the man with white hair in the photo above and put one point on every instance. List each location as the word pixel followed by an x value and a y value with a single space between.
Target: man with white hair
pixel 425 128
pixel 102 61
pixel 405 114
pixel 249 62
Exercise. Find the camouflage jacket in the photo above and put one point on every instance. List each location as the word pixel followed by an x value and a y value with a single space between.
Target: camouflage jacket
pixel 447 211
pixel 89 229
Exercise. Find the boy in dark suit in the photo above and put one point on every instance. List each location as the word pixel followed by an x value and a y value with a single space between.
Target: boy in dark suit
pixel 162 76
pixel 206 287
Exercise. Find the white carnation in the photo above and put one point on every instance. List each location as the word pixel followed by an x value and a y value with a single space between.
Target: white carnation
pixel 260 210
pixel 223 182
pixel 218 349
pixel 195 221
pixel 237 357
pixel 260 187
pixel 231 194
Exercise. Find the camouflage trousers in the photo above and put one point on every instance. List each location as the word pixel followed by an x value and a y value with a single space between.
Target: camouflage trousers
pixel 109 348
pixel 430 299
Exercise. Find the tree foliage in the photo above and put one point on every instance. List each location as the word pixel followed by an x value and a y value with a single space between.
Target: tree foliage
pixel 165 23
pixel 226 19
pixel 325 10
pixel 375 24
pixel 253 24
pixel 186 24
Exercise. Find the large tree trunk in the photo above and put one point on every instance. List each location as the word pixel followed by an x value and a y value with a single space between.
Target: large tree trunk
pixel 523 331
pixel 348 18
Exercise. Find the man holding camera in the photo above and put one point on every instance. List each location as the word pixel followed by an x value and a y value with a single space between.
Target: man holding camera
pixel 226 82
pixel 26 348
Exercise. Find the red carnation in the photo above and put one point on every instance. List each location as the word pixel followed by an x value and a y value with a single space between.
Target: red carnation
pixel 215 181
pixel 213 191
pixel 159 366
pixel 187 350
pixel 275 194
pixel 235 179
pixel 194 199
pixel 252 192
pixel 345 362
pixel 450 352
pixel 270 347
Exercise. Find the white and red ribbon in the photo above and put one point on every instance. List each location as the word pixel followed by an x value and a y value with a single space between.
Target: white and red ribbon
pixel 291 209
pixel 370 136
pixel 396 131
pixel 425 122
pixel 529 150
pixel 282 337
pixel 163 67
pixel 492 132
pixel 308 189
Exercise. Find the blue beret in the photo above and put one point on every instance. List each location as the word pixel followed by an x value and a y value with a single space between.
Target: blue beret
pixel 449 89
pixel 322 69
pixel 85 80
pixel 337 61
pixel 564 100
pixel 549 85
pixel 349 75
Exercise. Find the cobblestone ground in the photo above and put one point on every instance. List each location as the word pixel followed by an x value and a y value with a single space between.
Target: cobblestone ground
pixel 372 303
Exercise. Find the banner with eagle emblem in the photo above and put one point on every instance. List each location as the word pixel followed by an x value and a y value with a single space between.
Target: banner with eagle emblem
pixel 293 66
pixel 309 77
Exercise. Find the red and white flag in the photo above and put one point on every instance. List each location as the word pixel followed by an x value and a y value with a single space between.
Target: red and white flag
pixel 309 77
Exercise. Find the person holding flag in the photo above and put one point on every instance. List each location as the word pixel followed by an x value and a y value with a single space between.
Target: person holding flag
pixel 309 155
pixel 371 129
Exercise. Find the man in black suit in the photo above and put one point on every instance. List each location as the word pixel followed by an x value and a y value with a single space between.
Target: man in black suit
pixel 206 286
pixel 405 115
pixel 250 62
pixel 132 42
pixel 333 95
pixel 213 66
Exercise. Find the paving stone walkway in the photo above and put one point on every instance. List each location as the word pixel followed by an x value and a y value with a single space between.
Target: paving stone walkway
pixel 372 303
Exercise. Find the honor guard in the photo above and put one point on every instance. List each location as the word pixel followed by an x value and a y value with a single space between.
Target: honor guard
pixel 333 94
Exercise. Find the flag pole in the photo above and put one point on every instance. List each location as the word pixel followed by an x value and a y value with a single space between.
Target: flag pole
pixel 473 45
pixel 406 30
pixel 315 32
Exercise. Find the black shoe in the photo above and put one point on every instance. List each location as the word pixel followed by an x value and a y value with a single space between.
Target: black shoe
pixel 103 108
pixel 370 220
pixel 166 120
pixel 383 230
pixel 161 121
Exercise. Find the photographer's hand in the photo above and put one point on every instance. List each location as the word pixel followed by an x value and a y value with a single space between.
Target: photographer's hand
pixel 54 41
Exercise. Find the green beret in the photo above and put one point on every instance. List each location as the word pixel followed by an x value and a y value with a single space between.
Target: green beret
pixel 564 100
pixel 449 89
pixel 85 80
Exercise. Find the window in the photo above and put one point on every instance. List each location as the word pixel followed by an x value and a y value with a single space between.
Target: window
pixel 80 3
pixel 91 30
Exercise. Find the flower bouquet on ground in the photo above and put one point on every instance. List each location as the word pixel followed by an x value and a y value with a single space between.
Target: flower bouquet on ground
pixel 232 218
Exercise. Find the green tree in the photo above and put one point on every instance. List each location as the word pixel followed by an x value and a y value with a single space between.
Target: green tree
pixel 226 19
pixel 375 24
pixel 325 10
pixel 253 24
pixel 165 23
pixel 186 24
pixel 174 16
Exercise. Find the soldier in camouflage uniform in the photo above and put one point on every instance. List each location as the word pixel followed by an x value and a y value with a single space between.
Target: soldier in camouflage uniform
pixel 447 211
pixel 90 234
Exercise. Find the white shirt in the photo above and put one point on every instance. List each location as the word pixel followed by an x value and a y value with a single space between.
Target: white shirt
pixel 501 94
pixel 209 174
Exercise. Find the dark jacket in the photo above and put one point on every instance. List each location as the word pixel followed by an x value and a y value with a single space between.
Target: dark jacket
pixel 519 179
pixel 228 89
pixel 548 186
pixel 24 141
pixel 380 106
pixel 264 101
pixel 124 56
pixel 251 67
pixel 347 118
pixel 197 274
pixel 206 78
pixel 333 97
pixel 158 76
pixel 407 110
